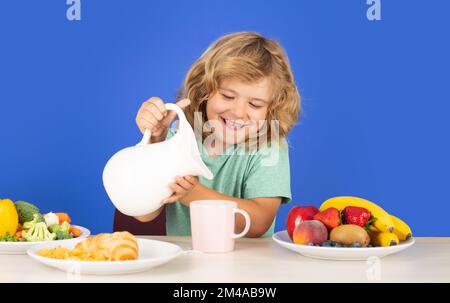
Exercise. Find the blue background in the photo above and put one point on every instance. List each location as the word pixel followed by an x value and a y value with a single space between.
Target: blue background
pixel 375 96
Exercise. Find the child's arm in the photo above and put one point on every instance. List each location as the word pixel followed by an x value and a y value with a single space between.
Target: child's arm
pixel 262 211
pixel 150 216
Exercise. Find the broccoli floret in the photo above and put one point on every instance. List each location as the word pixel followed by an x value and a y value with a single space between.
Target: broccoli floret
pixel 54 228
pixel 37 218
pixel 38 232
pixel 26 211
pixel 61 235
pixel 8 238
pixel 65 226
pixel 61 231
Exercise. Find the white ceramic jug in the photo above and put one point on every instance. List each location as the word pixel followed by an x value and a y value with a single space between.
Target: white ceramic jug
pixel 137 178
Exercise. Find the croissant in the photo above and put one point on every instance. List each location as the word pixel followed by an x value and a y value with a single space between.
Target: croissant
pixel 117 246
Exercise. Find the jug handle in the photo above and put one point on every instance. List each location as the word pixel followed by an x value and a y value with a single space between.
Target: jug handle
pixel 181 117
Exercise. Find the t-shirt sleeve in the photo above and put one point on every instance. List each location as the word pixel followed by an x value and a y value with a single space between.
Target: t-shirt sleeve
pixel 170 133
pixel 268 174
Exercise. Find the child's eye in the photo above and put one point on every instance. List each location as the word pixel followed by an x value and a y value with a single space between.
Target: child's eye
pixel 255 106
pixel 227 97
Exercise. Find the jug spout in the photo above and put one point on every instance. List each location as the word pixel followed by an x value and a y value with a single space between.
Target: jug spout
pixel 200 168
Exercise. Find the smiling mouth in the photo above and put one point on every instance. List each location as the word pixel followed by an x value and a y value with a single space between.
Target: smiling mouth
pixel 234 125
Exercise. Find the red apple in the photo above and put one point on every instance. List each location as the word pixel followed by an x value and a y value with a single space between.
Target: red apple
pixel 298 214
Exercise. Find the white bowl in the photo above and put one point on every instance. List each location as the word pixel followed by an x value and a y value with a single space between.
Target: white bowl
pixel 20 248
pixel 339 253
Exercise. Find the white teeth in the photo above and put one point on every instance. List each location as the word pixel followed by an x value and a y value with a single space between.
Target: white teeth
pixel 234 124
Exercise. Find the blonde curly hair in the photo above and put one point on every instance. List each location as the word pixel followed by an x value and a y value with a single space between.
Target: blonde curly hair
pixel 249 57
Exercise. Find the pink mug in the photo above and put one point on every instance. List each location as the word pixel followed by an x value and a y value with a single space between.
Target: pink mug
pixel 212 225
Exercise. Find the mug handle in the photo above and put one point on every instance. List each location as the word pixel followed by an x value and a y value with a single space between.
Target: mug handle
pixel 181 117
pixel 247 223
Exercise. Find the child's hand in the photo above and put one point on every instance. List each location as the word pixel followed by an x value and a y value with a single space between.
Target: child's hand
pixel 181 187
pixel 154 116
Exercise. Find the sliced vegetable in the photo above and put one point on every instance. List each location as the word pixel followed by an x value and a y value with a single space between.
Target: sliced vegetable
pixel 76 232
pixel 63 217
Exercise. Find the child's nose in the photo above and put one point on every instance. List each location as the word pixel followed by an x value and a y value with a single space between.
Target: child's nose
pixel 240 109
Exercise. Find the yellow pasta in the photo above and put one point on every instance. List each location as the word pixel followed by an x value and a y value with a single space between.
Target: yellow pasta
pixel 63 253
pixel 118 246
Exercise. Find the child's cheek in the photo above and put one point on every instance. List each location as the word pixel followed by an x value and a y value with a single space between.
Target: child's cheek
pixel 215 107
pixel 221 106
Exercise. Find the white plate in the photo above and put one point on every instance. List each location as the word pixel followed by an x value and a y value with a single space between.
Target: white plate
pixel 151 253
pixel 339 253
pixel 20 248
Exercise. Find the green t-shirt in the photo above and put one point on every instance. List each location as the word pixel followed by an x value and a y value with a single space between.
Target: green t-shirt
pixel 240 174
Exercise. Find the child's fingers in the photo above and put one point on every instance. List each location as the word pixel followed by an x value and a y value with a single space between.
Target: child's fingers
pixel 144 124
pixel 177 189
pixel 153 115
pixel 150 116
pixel 154 111
pixel 155 108
pixel 148 122
pixel 185 184
pixel 193 180
pixel 159 104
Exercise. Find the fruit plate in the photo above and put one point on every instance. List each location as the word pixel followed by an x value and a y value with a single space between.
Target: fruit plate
pixel 339 253
pixel 20 248
pixel 151 254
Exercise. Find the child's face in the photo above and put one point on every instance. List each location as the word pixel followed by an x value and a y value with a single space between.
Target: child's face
pixel 237 107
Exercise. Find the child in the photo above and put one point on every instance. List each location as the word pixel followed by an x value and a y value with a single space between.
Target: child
pixel 241 80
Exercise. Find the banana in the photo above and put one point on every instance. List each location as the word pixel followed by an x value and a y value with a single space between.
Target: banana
pixel 383 221
pixel 402 230
pixel 383 238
